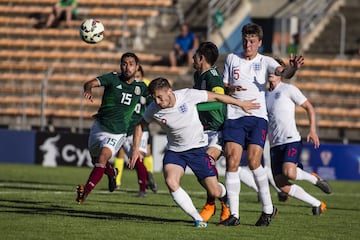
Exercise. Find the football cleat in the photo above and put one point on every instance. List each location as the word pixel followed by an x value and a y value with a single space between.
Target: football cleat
pixel 80 191
pixel 112 180
pixel 208 211
pixel 265 219
pixel 283 196
pixel 142 194
pixel 225 211
pixel 322 184
pixel 319 209
pixel 230 221
pixel 200 224
pixel 151 183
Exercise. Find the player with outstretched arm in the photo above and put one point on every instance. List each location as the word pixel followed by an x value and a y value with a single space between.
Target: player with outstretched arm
pixel 108 133
pixel 176 113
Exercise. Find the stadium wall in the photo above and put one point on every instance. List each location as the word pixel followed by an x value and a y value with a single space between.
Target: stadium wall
pixel 331 161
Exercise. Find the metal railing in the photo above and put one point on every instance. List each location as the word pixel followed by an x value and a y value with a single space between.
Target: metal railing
pixel 218 12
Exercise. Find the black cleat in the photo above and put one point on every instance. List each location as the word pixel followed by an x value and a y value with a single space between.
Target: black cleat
pixel 151 182
pixel 317 211
pixel 322 184
pixel 112 181
pixel 265 219
pixel 231 221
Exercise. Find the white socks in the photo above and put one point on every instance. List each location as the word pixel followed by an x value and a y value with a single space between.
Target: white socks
pixel 299 193
pixel 247 177
pixel 184 201
pixel 223 190
pixel 261 179
pixel 232 182
pixel 303 175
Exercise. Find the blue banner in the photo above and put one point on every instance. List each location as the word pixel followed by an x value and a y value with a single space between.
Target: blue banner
pixel 332 161
pixel 17 146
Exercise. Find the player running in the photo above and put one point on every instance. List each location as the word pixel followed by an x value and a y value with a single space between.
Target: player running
pixel 245 74
pixel 108 133
pixel 286 144
pixel 176 113
pixel 212 115
pixel 143 168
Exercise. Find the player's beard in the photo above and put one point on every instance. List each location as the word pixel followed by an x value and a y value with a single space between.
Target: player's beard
pixel 128 75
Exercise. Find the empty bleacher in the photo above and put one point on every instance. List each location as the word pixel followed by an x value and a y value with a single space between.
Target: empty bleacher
pixel 29 55
pixel 333 87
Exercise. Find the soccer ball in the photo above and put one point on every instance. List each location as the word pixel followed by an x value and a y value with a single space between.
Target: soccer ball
pixel 92 31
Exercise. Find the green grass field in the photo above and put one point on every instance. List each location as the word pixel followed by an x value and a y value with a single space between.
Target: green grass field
pixel 39 203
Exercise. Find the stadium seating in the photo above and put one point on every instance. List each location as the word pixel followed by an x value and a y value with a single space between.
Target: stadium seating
pixel 28 54
pixel 93 3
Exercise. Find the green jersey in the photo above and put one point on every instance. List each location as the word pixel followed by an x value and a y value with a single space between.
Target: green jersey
pixel 138 113
pixel 211 81
pixel 118 102
pixel 67 3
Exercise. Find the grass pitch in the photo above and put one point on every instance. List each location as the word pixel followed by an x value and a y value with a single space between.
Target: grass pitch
pixel 39 203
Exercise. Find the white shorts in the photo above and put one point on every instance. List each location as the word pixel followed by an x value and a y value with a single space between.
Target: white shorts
pixel 128 144
pixel 214 139
pixel 99 139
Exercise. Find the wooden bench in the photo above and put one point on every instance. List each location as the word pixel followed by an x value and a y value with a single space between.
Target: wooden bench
pixel 60 44
pixel 71 55
pixel 92 3
pixel 313 74
pixel 90 68
pixel 54 33
pixel 62 113
pixel 330 124
pixel 328 87
pixel 333 112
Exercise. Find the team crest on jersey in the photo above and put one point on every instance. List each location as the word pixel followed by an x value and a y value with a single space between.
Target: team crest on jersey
pixel 257 66
pixel 183 108
pixel 119 86
pixel 277 95
pixel 137 90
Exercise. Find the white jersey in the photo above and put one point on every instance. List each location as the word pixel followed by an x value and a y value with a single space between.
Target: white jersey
pixel 281 103
pixel 251 75
pixel 181 123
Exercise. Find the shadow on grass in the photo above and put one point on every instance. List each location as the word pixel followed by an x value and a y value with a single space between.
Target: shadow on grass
pixel 18 207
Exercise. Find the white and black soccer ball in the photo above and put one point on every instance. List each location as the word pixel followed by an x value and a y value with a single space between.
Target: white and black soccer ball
pixel 92 31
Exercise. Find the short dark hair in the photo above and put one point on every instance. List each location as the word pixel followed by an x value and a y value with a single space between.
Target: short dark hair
pixel 158 83
pixel 130 54
pixel 141 70
pixel 209 50
pixel 253 29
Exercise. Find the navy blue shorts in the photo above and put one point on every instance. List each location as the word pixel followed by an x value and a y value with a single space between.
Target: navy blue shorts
pixel 197 159
pixel 289 152
pixel 246 130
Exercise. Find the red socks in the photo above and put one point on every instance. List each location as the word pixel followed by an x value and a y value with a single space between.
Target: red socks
pixel 142 175
pixel 94 178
